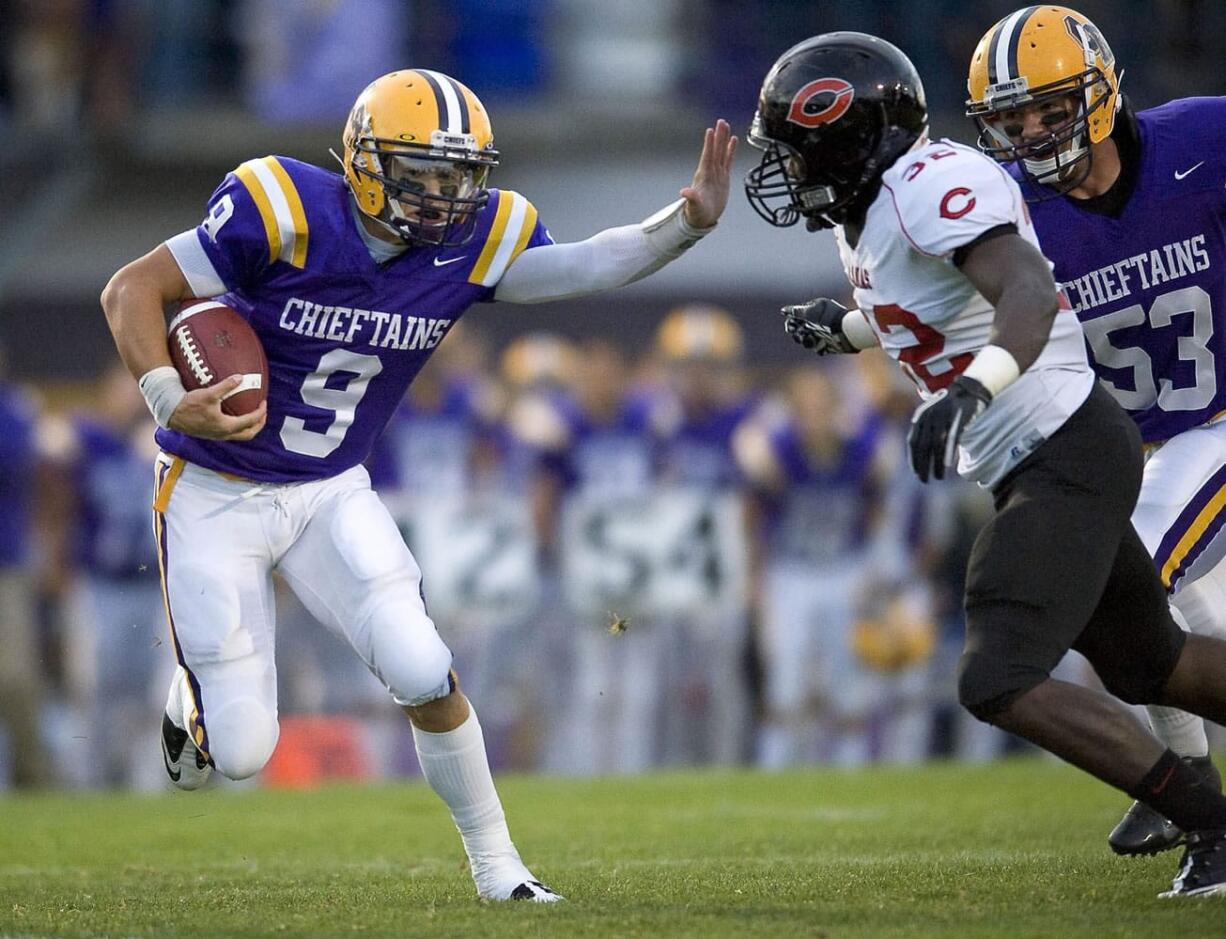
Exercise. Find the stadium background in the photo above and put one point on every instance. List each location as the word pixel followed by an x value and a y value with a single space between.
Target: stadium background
pixel 118 118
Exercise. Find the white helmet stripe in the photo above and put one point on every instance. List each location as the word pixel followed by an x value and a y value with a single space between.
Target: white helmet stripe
pixel 1006 41
pixel 452 99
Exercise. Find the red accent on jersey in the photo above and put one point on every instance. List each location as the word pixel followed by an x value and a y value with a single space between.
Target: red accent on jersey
pixel 842 91
pixel 929 343
pixel 947 211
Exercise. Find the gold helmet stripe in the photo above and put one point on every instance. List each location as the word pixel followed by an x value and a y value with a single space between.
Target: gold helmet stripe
pixel 1002 56
pixel 452 108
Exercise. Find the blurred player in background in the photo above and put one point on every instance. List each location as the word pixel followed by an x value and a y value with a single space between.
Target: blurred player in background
pixel 1130 207
pixel 603 467
pixel 819 493
pixel 103 547
pixel 350 280
pixel 21 670
pixel 707 711
pixel 949 280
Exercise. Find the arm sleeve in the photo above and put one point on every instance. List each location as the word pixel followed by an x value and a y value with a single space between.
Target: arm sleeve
pixel 611 258
pixel 951 197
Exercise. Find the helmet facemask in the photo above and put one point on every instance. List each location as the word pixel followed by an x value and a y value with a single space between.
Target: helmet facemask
pixel 428 199
pixel 1060 160
pixel 824 196
pixel 779 190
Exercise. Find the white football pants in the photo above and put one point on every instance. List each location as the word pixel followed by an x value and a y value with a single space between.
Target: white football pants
pixel 334 543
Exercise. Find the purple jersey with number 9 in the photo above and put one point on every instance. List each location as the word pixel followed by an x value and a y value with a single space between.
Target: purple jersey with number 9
pixel 344 334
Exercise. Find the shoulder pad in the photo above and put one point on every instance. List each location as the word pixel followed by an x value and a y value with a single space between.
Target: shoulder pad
pixel 276 197
pixel 945 195
pixel 512 224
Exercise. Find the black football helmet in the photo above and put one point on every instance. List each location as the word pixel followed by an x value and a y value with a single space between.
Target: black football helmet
pixel 835 112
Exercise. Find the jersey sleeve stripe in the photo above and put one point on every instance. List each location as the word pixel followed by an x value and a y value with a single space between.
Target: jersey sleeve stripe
pixel 297 213
pixel 286 207
pixel 501 215
pixel 512 236
pixel 525 232
pixel 255 189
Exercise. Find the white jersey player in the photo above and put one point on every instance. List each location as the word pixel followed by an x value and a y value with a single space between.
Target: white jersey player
pixel 950 281
pixel 935 202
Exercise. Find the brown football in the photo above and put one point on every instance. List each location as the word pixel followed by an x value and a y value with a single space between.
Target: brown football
pixel 209 342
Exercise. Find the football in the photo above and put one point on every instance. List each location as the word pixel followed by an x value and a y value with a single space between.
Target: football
pixel 209 342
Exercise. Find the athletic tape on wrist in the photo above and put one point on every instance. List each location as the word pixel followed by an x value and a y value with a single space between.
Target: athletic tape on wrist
pixel 163 390
pixel 995 368
pixel 668 233
pixel 855 327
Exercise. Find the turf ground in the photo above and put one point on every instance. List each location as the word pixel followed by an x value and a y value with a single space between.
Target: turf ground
pixel 1014 849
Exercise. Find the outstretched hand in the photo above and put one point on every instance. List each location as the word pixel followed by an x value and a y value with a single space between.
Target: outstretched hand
pixel 707 196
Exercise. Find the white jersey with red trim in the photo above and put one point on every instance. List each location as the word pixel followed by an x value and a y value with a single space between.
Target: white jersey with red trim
pixel 927 315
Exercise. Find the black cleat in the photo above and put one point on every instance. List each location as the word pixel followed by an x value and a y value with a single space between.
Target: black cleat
pixel 185 765
pixel 1142 831
pixel 1202 869
pixel 535 891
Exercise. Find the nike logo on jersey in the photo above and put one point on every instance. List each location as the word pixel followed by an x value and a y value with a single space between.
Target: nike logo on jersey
pixel 1178 175
pixel 439 262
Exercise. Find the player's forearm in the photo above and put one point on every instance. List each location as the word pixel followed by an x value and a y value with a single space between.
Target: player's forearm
pixel 609 259
pixel 1024 317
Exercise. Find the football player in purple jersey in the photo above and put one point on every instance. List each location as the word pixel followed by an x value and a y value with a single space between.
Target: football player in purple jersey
pixel 350 280
pixel 1130 208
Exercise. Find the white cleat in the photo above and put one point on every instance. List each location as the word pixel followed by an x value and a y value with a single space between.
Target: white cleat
pixel 185 764
pixel 502 877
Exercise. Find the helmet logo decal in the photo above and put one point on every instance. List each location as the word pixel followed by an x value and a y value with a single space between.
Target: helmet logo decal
pixel 810 107
pixel 1087 35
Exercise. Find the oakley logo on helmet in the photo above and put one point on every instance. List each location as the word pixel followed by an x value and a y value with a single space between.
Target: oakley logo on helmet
pixel 802 110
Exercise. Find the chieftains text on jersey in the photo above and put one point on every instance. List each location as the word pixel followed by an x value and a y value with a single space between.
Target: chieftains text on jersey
pixel 350 325
pixel 1114 281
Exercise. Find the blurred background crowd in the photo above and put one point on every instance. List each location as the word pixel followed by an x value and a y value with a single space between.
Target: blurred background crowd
pixel 668 536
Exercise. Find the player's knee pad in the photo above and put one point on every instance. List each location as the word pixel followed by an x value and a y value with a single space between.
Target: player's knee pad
pixel 414 664
pixel 988 683
pixel 242 735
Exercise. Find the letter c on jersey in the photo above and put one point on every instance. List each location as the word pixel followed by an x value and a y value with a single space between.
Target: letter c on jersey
pixel 947 211
pixel 843 92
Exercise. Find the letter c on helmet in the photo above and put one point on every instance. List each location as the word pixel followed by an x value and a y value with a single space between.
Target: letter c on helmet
pixel 842 92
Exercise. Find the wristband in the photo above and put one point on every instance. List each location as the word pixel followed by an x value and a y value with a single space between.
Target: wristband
pixel 668 233
pixel 855 327
pixel 163 390
pixel 995 368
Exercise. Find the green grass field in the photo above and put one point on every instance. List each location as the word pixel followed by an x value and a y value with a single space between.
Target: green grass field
pixel 1014 849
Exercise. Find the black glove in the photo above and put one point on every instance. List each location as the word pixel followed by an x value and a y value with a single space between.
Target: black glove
pixel 818 325
pixel 938 424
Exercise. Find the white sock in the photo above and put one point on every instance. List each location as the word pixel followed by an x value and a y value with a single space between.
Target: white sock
pixel 456 767
pixel 178 700
pixel 1182 732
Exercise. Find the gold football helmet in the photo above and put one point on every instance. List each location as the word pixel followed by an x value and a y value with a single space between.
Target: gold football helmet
pixel 1044 56
pixel 418 151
